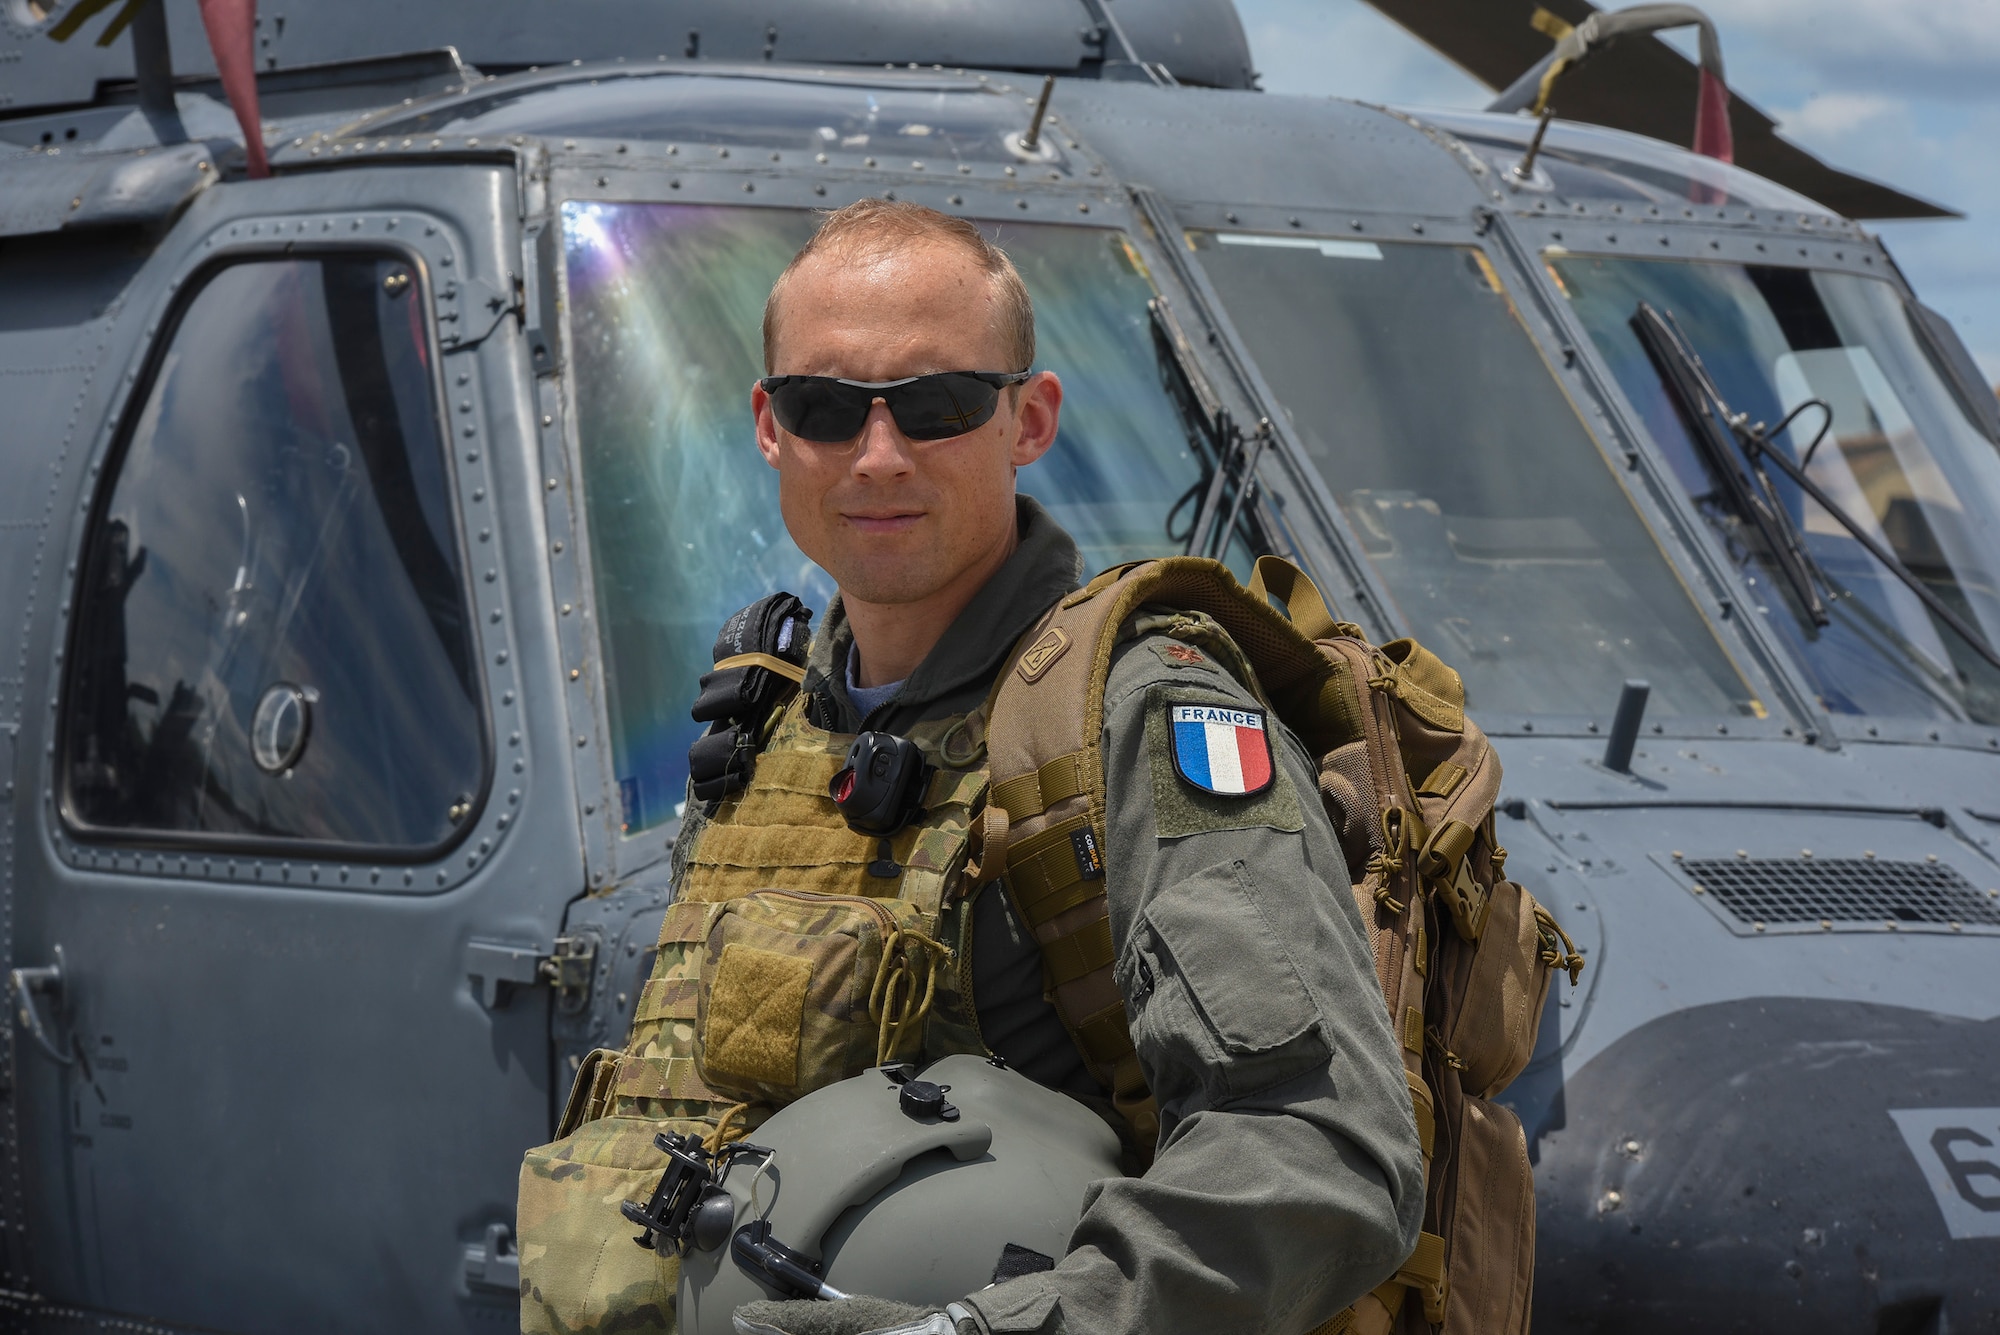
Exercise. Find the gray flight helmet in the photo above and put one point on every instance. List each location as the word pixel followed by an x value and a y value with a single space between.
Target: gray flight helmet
pixel 878 1186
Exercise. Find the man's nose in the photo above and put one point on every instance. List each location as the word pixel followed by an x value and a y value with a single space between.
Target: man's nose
pixel 884 452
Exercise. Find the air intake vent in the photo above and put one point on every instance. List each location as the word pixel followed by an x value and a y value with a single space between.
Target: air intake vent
pixel 1818 894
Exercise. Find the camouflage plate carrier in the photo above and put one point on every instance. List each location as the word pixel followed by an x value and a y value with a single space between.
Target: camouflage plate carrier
pixel 760 995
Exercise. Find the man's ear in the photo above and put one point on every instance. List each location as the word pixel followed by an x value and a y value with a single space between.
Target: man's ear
pixel 767 425
pixel 1038 410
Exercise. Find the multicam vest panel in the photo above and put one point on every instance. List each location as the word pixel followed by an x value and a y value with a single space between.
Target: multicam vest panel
pixel 796 953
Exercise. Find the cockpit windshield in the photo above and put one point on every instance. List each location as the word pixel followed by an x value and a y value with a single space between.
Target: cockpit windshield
pixel 1483 503
pixel 665 310
pixel 1898 456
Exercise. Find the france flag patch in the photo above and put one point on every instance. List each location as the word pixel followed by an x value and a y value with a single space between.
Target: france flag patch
pixel 1221 750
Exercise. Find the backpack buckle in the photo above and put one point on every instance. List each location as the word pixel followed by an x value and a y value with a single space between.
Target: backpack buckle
pixel 1468 900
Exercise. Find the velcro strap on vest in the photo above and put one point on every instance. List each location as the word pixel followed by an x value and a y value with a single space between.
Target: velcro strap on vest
pixel 1027 795
pixel 685 920
pixel 796 772
pixel 668 999
pixel 659 1078
pixel 1080 953
pixel 775 847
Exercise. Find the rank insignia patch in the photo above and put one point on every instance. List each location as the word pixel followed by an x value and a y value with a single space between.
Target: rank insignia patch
pixel 1221 750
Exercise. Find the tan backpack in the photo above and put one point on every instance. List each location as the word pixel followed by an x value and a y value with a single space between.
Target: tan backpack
pixel 1464 956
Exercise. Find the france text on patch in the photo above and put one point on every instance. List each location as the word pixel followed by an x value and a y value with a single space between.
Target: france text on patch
pixel 1221 750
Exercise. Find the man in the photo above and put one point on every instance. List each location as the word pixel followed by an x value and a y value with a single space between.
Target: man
pixel 1287 1179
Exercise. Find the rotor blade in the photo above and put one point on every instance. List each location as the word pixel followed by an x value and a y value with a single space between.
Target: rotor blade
pixel 1642 85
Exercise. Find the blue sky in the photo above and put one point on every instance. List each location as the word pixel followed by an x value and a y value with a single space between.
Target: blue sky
pixel 1903 92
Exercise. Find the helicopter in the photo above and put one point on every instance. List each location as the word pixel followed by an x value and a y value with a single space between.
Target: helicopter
pixel 376 479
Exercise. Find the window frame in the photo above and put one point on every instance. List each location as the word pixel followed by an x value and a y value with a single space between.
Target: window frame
pixel 184 289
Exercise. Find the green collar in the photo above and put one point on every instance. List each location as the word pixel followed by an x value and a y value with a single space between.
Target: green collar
pixel 955 676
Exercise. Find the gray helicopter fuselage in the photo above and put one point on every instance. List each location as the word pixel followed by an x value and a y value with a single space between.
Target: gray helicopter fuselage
pixel 290 1065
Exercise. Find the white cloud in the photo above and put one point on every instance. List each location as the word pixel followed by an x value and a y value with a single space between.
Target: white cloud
pixel 1934 48
pixel 1347 49
pixel 1834 114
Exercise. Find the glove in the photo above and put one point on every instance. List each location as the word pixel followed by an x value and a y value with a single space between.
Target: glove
pixel 853 1316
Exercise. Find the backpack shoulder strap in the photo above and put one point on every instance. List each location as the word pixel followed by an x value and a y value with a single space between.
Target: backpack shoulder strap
pixel 1044 741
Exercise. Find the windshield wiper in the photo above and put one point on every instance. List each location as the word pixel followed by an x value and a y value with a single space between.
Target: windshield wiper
pixel 1702 403
pixel 1710 425
pixel 1235 454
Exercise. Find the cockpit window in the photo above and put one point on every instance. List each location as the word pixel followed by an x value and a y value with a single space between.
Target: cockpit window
pixel 272 639
pixel 666 303
pixel 1898 456
pixel 1482 501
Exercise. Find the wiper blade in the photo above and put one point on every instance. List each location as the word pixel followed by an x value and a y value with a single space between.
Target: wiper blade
pixel 1704 405
pixel 1235 454
pixel 1709 423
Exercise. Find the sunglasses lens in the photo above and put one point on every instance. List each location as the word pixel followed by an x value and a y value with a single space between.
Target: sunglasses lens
pixel 820 409
pixel 938 407
pixel 930 407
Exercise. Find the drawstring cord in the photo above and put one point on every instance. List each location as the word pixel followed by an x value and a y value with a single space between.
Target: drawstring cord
pixel 716 1139
pixel 901 1000
pixel 1389 860
pixel 1558 951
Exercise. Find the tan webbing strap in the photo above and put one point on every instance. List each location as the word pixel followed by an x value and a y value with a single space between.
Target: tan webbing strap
pixel 1424 1272
pixel 1104 1035
pixel 1082 952
pixel 1420 1104
pixel 1027 795
pixel 1047 882
pixel 659 1078
pixel 771 661
pixel 1374 1313
pixel 1278 578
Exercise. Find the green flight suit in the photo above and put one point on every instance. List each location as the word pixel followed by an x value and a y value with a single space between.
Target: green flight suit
pixel 1287 1180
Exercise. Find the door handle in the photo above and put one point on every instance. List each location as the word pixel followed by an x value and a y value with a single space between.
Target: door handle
pixel 29 987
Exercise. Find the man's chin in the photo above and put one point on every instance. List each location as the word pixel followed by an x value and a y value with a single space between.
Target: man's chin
pixel 892 582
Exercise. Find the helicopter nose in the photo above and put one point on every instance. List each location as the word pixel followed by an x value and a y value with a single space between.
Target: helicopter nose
pixel 1776 1165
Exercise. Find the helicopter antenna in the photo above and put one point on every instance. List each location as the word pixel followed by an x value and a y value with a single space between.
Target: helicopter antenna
pixel 1033 138
pixel 1524 170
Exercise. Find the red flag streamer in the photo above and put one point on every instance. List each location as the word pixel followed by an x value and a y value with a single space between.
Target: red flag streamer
pixel 1711 119
pixel 231 28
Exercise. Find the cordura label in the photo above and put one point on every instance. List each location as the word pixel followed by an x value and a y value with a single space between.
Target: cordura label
pixel 1221 750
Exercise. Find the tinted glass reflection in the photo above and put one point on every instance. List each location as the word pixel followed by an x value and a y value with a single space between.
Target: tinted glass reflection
pixel 1507 544
pixel 1899 456
pixel 665 309
pixel 272 635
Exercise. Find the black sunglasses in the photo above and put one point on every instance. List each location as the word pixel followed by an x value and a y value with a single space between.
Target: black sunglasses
pixel 829 410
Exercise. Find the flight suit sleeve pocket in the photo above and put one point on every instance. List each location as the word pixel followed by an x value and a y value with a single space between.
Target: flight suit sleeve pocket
pixel 1249 1022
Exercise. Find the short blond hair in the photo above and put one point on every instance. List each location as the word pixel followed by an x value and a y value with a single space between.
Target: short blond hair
pixel 870 227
